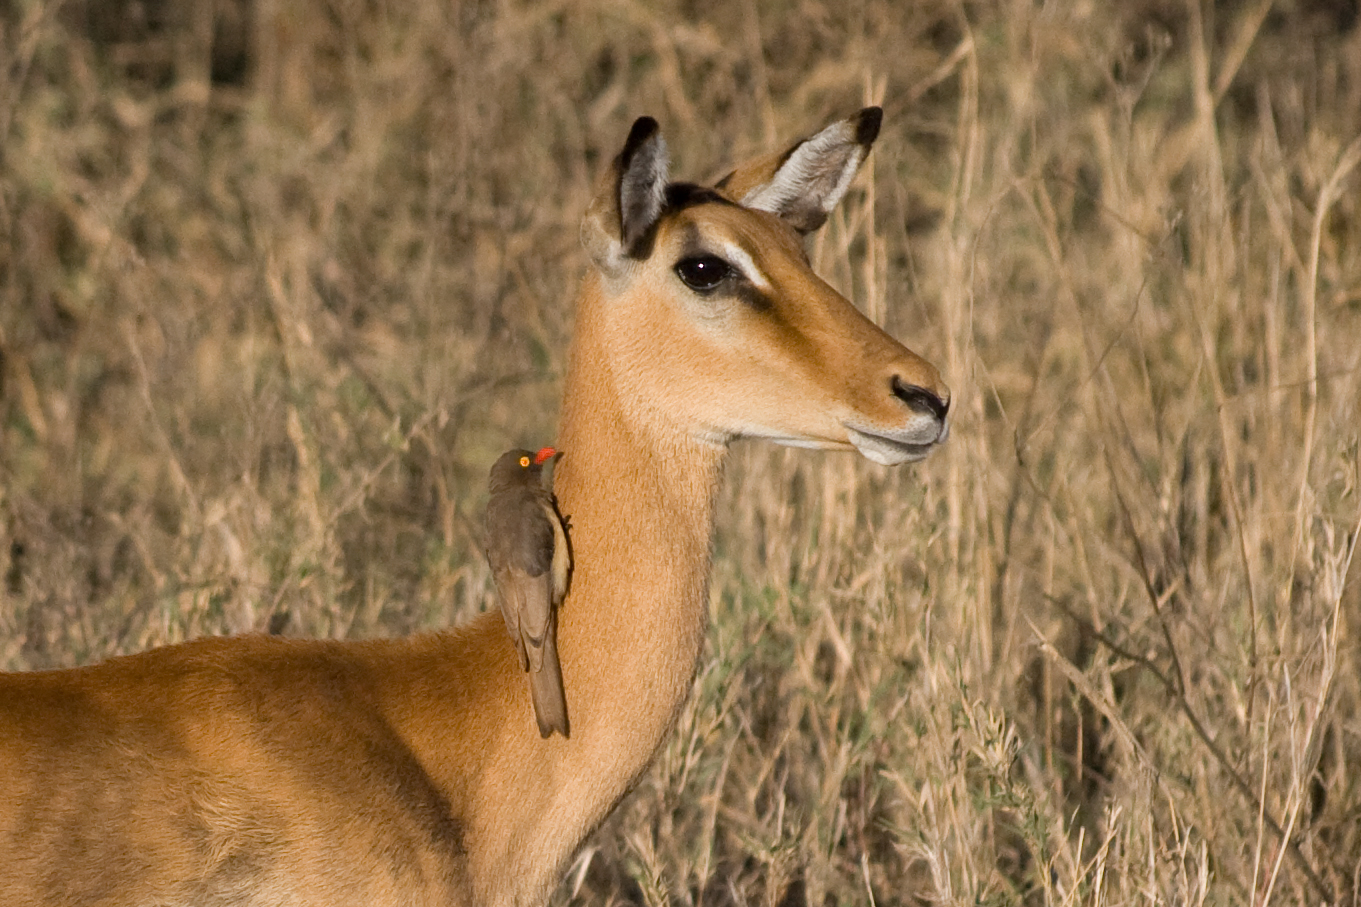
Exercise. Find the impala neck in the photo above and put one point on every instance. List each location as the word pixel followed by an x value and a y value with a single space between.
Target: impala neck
pixel 639 495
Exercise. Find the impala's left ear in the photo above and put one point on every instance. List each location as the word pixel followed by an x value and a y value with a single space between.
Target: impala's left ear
pixel 803 185
pixel 629 200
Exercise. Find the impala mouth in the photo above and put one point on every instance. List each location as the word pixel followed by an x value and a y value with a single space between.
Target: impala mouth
pixel 895 448
pixel 887 448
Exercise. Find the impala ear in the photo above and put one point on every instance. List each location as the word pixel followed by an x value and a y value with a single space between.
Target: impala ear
pixel 628 201
pixel 803 185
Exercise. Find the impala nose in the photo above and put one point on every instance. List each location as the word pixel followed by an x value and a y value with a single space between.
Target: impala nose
pixel 922 400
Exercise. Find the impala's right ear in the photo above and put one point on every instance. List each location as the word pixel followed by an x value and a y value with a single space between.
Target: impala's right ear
pixel 628 201
pixel 803 185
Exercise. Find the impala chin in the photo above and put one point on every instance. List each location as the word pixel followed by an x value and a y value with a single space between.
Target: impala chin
pixel 897 447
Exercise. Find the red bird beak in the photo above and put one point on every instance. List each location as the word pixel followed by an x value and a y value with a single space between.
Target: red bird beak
pixel 546 453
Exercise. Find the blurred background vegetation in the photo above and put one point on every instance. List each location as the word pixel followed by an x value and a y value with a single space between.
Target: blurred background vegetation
pixel 279 280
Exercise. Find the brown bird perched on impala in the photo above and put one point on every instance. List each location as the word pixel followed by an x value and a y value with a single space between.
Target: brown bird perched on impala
pixel 530 563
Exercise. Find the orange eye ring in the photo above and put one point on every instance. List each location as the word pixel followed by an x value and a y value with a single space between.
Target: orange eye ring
pixel 524 461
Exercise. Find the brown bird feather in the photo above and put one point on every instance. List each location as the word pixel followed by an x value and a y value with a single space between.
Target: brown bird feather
pixel 531 563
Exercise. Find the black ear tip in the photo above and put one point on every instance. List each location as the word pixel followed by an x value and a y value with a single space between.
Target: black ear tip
pixel 867 129
pixel 643 129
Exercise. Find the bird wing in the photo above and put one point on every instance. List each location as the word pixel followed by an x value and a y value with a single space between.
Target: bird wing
pixel 510 593
pixel 519 536
pixel 526 606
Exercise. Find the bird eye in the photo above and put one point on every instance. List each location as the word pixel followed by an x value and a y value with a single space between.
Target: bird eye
pixel 524 461
pixel 704 273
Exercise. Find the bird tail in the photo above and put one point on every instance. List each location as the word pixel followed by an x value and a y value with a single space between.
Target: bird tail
pixel 545 688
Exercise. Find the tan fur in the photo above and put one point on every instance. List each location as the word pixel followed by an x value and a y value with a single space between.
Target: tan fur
pixel 262 771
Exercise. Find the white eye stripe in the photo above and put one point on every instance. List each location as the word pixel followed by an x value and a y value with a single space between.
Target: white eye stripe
pixel 739 259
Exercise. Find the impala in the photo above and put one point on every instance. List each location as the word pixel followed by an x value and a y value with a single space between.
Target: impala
pixel 263 771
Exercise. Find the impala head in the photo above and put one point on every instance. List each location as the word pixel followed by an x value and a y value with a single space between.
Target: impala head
pixel 713 322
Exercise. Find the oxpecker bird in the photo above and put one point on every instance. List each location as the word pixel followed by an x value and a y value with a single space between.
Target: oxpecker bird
pixel 531 564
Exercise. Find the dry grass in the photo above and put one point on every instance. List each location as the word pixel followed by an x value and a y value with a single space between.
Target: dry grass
pixel 276 289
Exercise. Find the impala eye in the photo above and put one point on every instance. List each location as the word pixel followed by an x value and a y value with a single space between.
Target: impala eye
pixel 704 273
